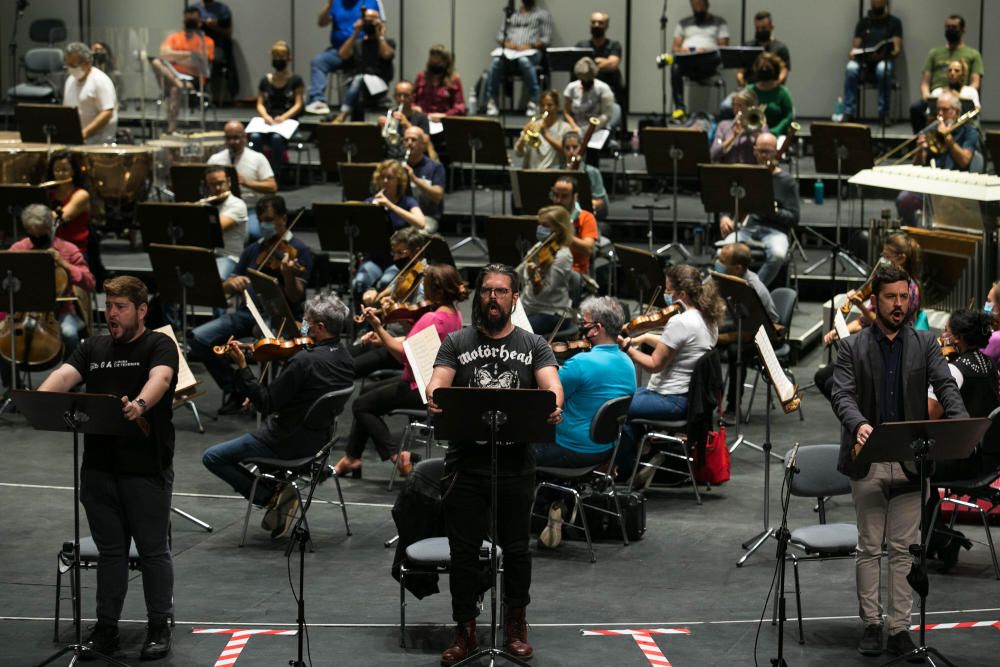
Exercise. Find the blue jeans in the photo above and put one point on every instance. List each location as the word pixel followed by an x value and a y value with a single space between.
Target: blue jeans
pixel 273 141
pixel 320 66
pixel 883 77
pixel 371 275
pixel 647 404
pixel 216 332
pixel 223 460
pixel 356 97
pixel 529 74
pixel 775 246
pixel 699 70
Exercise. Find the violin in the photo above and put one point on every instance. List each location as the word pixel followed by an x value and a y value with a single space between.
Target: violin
pixel 655 320
pixel 271 259
pixel 542 254
pixel 564 350
pixel 269 349
pixel 392 311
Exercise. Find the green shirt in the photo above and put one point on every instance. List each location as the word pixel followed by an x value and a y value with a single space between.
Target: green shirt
pixel 779 109
pixel 939 57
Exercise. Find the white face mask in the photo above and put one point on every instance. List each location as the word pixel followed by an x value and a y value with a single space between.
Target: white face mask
pixel 77 73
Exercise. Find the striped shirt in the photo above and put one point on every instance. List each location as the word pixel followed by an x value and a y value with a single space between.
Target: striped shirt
pixel 528 28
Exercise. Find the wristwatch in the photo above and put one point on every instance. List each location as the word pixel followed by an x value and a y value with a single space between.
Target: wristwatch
pixel 141 403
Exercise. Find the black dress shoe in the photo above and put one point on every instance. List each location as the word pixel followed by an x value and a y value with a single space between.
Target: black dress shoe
pixel 900 644
pixel 104 640
pixel 871 640
pixel 157 644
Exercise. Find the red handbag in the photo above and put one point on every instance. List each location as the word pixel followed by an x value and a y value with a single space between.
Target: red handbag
pixel 715 468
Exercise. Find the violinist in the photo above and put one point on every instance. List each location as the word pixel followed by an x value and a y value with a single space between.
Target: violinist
pixel 70 201
pixel 545 275
pixel 685 339
pixel 232 217
pixel 589 380
pixel 404 244
pixel 290 263
pixel 310 373
pixel 443 288
pixel 585 232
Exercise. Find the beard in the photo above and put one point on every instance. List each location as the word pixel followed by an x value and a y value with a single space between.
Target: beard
pixel 122 332
pixel 893 321
pixel 491 317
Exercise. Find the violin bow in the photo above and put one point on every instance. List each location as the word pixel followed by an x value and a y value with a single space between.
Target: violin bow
pixel 562 318
pixel 656 295
pixel 274 247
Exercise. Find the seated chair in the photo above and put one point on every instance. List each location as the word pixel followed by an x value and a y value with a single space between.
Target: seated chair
pixel 42 70
pixel 583 483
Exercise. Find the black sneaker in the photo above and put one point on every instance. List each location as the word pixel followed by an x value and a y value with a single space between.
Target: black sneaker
pixel 157 644
pixel 232 405
pixel 900 644
pixel 104 640
pixel 871 641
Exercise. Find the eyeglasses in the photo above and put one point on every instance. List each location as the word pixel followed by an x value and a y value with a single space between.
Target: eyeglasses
pixel 494 291
pixel 555 195
pixel 587 326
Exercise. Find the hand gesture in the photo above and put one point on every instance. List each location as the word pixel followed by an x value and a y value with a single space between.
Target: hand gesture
pixel 235 352
pixel 381 199
pixel 130 409
pixel 726 226
pixel 830 337
pixel 288 266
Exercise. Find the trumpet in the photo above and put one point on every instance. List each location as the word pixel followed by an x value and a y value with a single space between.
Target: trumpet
pixel 532 133
pixel 390 131
pixel 752 119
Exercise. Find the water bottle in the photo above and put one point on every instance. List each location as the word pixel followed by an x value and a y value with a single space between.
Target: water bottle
pixel 472 102
pixel 635 142
pixel 838 110
pixel 699 240
pixel 819 191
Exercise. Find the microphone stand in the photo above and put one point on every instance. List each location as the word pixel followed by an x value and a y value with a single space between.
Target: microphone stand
pixel 18 15
pixel 663 70
pixel 783 535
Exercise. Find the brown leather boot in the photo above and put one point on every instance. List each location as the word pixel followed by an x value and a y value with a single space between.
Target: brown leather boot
pixel 465 644
pixel 515 630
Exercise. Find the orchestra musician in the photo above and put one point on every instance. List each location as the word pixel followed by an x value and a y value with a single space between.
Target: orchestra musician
pixel 589 380
pixel 881 375
pixel 279 98
pixel 70 201
pixel 545 276
pixel 549 129
pixel 491 353
pixel 607 53
pixel 232 217
pixel 573 151
pixel 184 55
pixel 283 403
pixel 372 55
pixel 585 233
pixel 702 33
pixel 992 308
pixel 763 37
pixel 588 97
pixel 688 335
pixel 93 94
pixel 290 264
pixel 876 27
pixel 935 72
pixel 404 112
pixel 772 229
pixel 426 175
pixel 772 94
pixel 443 289
pixel 437 90
pixel 252 169
pixel 528 31
pixel 734 141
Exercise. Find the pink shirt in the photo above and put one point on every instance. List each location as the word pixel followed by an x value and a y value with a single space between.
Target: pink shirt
pixel 79 272
pixel 444 322
pixel 992 349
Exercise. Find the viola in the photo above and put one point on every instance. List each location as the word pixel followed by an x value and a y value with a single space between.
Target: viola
pixel 655 320
pixel 564 350
pixel 948 348
pixel 270 349
pixel 544 256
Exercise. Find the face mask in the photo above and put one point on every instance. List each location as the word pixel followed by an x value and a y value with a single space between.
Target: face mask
pixel 266 229
pixel 542 232
pixel 304 329
pixel 878 12
pixel 597 32
pixel 192 24
pixel 719 267
pixel 587 85
pixel 279 65
pixel 436 68
pixel 668 299
pixel 77 73
pixel 766 75
pixel 988 308
pixel 700 17
pixel 41 241
pixel 369 29
pixel 952 35
pixel 100 59
pixel 762 35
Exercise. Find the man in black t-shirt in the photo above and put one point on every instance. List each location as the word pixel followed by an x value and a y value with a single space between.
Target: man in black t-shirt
pixel 125 483
pixel 607 53
pixel 879 27
pixel 491 353
pixel 372 55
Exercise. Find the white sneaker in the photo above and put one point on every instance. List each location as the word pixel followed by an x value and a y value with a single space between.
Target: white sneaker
pixel 318 107
pixel 491 108
pixel 532 110
pixel 551 535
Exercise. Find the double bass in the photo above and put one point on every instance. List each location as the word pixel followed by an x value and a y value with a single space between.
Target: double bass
pixel 35 337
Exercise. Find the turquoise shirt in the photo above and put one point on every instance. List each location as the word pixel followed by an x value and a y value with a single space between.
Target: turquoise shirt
pixel 589 380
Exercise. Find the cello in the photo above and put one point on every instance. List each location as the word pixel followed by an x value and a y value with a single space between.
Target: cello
pixel 34 337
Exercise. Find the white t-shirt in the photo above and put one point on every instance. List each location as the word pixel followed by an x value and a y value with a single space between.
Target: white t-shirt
pixel 545 156
pixel 235 237
pixel 689 337
pixel 96 93
pixel 599 101
pixel 252 165
pixel 704 36
pixel 966 93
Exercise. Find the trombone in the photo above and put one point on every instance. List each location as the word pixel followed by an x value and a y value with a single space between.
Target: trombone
pixel 935 139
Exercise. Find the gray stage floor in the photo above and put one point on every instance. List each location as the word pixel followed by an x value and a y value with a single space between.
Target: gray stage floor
pixel 680 576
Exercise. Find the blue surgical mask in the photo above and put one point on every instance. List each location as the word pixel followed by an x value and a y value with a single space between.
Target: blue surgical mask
pixel 304 329
pixel 719 267
pixel 266 229
pixel 668 299
pixel 542 232
pixel 988 308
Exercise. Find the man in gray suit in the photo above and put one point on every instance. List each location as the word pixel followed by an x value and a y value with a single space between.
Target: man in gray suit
pixel 882 374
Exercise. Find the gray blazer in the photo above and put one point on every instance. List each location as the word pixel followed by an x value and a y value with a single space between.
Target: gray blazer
pixel 857 378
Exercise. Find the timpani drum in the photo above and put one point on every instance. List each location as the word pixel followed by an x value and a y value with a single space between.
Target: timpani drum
pixel 25 163
pixel 119 173
pixel 7 137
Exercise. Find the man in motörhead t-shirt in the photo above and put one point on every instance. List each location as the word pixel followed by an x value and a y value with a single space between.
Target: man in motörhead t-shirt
pixel 491 353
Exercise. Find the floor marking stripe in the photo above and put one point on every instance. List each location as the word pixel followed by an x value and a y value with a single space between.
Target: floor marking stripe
pixel 644 640
pixel 955 626
pixel 237 641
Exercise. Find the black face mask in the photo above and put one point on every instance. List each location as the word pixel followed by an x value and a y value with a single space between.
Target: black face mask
pixel 41 242
pixel 953 35
pixel 369 29
pixel 766 75
pixel 192 24
pixel 587 85
pixel 700 17
pixel 401 262
pixel 878 13
pixel 279 65
pixel 100 59
pixel 762 35
pixel 436 68
pixel 597 32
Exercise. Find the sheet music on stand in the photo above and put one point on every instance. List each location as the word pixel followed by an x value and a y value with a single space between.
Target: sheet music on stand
pixel 421 350
pixel 185 378
pixel 261 322
pixel 520 318
pixel 840 325
pixel 783 387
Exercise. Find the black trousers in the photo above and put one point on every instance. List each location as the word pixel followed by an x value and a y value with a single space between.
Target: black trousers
pixel 824 381
pixel 467 520
pixel 121 509
pixel 378 400
pixel 367 360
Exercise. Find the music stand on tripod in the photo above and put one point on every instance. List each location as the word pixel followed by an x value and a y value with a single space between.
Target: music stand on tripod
pixel 348 142
pixel 13 199
pixel 186 275
pixel 673 152
pixel 167 223
pixel 91 414
pixel 644 270
pixel 352 228
pixel 532 186
pixel 510 415
pixel 29 284
pixel 738 189
pixel 510 237
pixel 477 141
pixel 48 124
pixel 922 441
pixel 356 179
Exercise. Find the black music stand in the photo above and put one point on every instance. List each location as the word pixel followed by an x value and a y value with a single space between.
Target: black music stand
pixel 13 199
pixel 272 299
pixel 739 57
pixel 477 141
pixel 348 142
pixel 188 180
pixel 843 149
pixel 532 186
pixel 91 414
pixel 186 275
pixel 356 179
pixel 530 409
pixel 438 252
pixel 166 223
pixel 672 152
pixel 992 141
pixel 645 271
pixel 29 280
pixel 922 441
pixel 740 189
pixel 352 227
pixel 564 58
pixel 48 124
pixel 509 237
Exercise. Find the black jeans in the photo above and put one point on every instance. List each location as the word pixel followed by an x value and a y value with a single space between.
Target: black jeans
pixel 824 381
pixel 121 509
pixel 467 520
pixel 367 360
pixel 379 399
